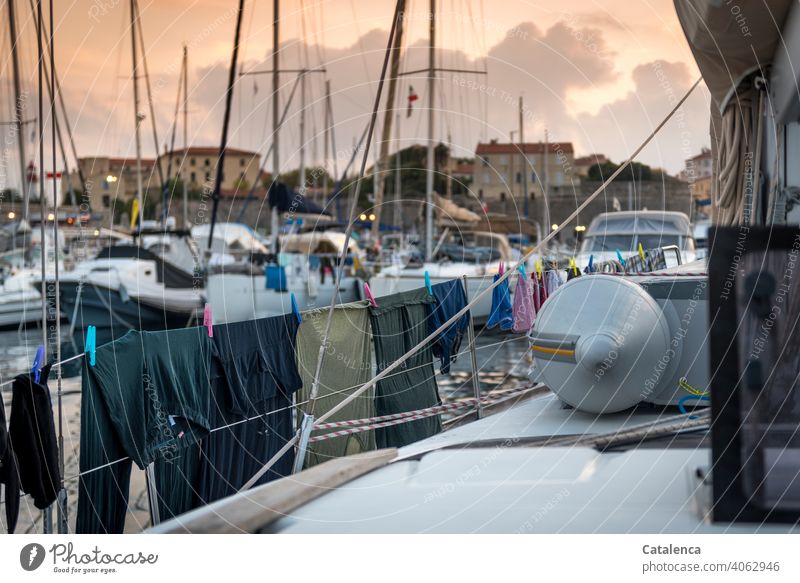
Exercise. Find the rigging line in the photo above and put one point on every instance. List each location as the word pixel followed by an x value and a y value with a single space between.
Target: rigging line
pixel 61 508
pixel 225 121
pixel 398 14
pixel 516 266
pixel 174 131
pixel 140 34
pixel 65 119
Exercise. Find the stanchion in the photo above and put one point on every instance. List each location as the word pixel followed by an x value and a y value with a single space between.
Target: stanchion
pixel 152 494
pixel 476 385
pixel 302 446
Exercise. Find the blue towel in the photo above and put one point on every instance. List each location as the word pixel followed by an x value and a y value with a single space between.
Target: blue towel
pixel 450 298
pixel 501 313
pixel 276 277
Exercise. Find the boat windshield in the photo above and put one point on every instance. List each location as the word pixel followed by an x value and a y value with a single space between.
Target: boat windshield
pixel 630 243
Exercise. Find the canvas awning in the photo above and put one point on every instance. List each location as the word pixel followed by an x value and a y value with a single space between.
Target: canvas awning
pixel 731 40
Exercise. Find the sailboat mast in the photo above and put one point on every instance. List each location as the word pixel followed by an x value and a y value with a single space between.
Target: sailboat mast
pixel 326 151
pixel 380 183
pixel 397 160
pixel 524 167
pixel 302 179
pixel 18 106
pixel 275 118
pixel 431 145
pixel 137 118
pixel 185 131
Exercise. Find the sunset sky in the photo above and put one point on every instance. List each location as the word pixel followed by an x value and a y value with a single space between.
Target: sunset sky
pixel 599 74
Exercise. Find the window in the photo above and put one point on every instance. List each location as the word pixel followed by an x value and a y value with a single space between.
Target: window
pixel 208 176
pixel 519 177
pixel 241 163
pixel 487 178
pixel 106 201
pixel 193 179
pixel 192 161
pixel 208 162
pixel 480 193
pixel 503 160
pixel 502 197
pixel 485 160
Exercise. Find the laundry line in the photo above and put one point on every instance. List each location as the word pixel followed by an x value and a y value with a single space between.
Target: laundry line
pixel 292 406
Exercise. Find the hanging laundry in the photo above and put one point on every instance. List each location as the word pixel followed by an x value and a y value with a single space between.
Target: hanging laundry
pixel 32 433
pixel 399 324
pixel 255 377
pixel 450 299
pixel 147 398
pixel 9 474
pixel 252 378
pixel 536 293
pixel 347 366
pixel 501 312
pixel 542 289
pixel 552 281
pixel 523 309
pixel 276 277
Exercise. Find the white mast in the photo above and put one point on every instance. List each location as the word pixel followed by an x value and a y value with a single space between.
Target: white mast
pixel 431 145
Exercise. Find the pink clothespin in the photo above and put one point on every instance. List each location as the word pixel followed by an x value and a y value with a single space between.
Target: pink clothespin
pixel 368 293
pixel 207 320
pixel 501 269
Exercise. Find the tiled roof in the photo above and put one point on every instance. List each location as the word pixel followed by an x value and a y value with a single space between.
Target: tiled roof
pixel 528 148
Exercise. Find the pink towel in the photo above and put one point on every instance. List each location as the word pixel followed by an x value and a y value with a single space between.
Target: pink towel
pixel 523 311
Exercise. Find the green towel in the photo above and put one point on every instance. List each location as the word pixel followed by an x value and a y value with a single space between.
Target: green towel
pixel 347 366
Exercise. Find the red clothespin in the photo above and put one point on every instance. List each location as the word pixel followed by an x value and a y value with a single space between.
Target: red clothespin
pixel 370 297
pixel 207 320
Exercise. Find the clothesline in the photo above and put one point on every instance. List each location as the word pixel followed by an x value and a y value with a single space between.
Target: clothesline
pixel 293 406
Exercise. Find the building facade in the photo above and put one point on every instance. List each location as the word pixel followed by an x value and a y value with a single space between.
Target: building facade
pixel 109 178
pixel 197 167
pixel 499 167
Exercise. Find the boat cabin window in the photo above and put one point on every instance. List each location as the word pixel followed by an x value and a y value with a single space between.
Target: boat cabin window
pixel 630 243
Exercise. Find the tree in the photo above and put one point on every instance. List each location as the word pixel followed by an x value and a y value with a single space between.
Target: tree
pixel 635 171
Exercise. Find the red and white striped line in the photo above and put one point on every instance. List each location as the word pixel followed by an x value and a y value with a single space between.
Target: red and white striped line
pixel 407 417
pixel 652 274
pixel 436 409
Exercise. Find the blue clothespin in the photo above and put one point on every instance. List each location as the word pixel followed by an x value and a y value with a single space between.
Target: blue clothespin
pixel 591 262
pixel 428 283
pixel 619 256
pixel 91 343
pixel 38 362
pixel 522 270
pixel 682 403
pixel 295 309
